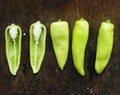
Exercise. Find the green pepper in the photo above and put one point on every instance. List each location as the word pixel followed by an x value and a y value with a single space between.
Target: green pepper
pixel 104 45
pixel 37 45
pixel 13 38
pixel 60 40
pixel 79 41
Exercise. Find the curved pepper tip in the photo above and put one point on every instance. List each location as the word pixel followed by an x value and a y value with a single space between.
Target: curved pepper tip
pixel 98 69
pixel 82 73
pixel 35 70
pixel 13 72
pixel 61 67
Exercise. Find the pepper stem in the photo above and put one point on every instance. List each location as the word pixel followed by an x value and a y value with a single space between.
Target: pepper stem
pixel 59 20
pixel 82 19
pixel 108 21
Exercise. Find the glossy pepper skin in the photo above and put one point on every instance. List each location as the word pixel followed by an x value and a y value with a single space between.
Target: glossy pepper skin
pixel 79 41
pixel 37 45
pixel 104 45
pixel 60 39
pixel 13 37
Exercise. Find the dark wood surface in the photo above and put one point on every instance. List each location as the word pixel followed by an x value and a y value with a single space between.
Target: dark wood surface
pixel 51 80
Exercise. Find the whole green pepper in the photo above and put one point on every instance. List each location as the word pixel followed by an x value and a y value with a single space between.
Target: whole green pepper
pixel 13 36
pixel 79 41
pixel 60 39
pixel 104 45
pixel 37 45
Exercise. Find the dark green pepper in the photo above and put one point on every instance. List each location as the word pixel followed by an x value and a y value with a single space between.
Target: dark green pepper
pixel 13 36
pixel 79 41
pixel 37 45
pixel 60 39
pixel 104 45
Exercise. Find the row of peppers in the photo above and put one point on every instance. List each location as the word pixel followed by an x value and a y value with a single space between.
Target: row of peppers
pixel 60 39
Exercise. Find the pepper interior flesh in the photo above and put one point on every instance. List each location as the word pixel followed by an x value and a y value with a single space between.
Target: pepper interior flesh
pixel 79 41
pixel 37 45
pixel 13 36
pixel 104 45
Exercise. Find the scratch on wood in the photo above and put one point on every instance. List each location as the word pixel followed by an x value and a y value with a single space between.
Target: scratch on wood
pixel 77 8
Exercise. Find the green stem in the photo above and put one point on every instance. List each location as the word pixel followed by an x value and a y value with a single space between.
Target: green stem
pixel 108 21
pixel 59 20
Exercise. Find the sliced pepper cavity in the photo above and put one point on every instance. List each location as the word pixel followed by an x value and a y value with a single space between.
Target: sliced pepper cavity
pixel 13 37
pixel 37 45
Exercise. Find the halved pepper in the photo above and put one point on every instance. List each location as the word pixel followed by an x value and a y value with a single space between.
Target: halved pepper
pixel 37 45
pixel 13 36
pixel 60 39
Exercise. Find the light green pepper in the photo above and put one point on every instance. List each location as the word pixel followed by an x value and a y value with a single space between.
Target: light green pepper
pixel 79 41
pixel 60 39
pixel 13 36
pixel 104 45
pixel 37 45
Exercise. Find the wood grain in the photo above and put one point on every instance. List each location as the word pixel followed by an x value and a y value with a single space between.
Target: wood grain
pixel 51 80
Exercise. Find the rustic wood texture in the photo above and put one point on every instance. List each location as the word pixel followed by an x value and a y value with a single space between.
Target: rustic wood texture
pixel 51 80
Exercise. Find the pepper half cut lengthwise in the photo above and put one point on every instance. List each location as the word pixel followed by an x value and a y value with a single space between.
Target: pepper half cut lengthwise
pixel 37 45
pixel 79 41
pixel 104 45
pixel 60 40
pixel 13 36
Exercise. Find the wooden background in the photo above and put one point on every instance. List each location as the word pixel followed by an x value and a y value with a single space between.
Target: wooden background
pixel 51 80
